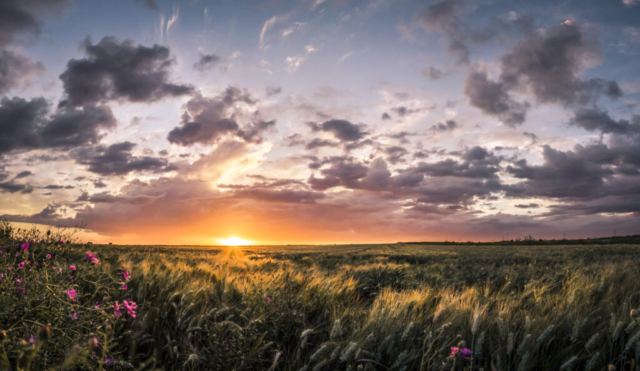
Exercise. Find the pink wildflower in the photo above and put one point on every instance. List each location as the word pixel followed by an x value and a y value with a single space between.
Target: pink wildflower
pixel 18 280
pixel 21 265
pixel 91 257
pixel 1 276
pixel 97 306
pixel 32 339
pixel 24 247
pixel 21 290
pixel 130 307
pixel 116 309
pixel 463 353
pixel 71 294
pixel 268 300
pixel 48 256
pixel 123 286
pixel 74 315
pixel 108 361
pixel 125 275
pixel 72 267
pixel 59 270
pixel 95 342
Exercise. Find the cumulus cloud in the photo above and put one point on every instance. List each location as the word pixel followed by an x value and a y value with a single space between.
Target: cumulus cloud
pixel 27 125
pixel 341 129
pixel 444 17
pixel 15 69
pixel 207 119
pixel 547 63
pixel 119 70
pixel 206 62
pixel 118 159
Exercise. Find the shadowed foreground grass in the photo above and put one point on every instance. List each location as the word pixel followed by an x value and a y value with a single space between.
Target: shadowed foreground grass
pixel 368 307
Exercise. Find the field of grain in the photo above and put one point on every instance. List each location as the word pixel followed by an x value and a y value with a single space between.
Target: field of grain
pixel 313 308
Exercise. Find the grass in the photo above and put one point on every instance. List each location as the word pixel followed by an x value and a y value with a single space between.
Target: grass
pixel 353 307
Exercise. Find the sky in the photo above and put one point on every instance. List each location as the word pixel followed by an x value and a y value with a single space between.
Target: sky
pixel 321 121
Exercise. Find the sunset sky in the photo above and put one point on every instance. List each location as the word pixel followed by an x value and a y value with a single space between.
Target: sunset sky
pixel 321 121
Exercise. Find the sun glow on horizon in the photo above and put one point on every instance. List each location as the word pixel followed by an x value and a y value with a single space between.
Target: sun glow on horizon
pixel 234 241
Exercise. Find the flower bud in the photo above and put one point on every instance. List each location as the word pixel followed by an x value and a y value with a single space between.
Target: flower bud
pixel 612 367
pixel 3 335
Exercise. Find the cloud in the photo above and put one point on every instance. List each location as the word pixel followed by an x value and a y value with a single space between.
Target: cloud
pixel 317 143
pixel 268 24
pixel 596 119
pixel 207 119
pixel 119 70
pixel 547 63
pixel 493 98
pixel 23 174
pixel 150 4
pixel 341 129
pixel 15 69
pixel 385 116
pixel 11 187
pixel 18 17
pixel 206 62
pixel 443 17
pixel 118 159
pixel 448 125
pixel 27 125
pixel 562 175
pixel 294 62
pixel 631 3
pixel 433 73
pixel 273 90
pixel 297 26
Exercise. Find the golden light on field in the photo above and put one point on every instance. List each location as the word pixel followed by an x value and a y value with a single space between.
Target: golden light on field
pixel 234 241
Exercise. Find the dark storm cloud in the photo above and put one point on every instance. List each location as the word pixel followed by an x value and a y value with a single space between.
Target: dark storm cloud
pixel 547 63
pixel 118 159
pixel 206 62
pixel 448 125
pixel 26 125
pixel 119 70
pixel 341 129
pixel 443 17
pixel 385 116
pixel 15 69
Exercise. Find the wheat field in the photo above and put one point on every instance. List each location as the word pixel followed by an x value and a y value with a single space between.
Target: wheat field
pixel 313 308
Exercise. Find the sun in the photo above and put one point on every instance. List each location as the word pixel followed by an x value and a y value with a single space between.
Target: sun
pixel 234 241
